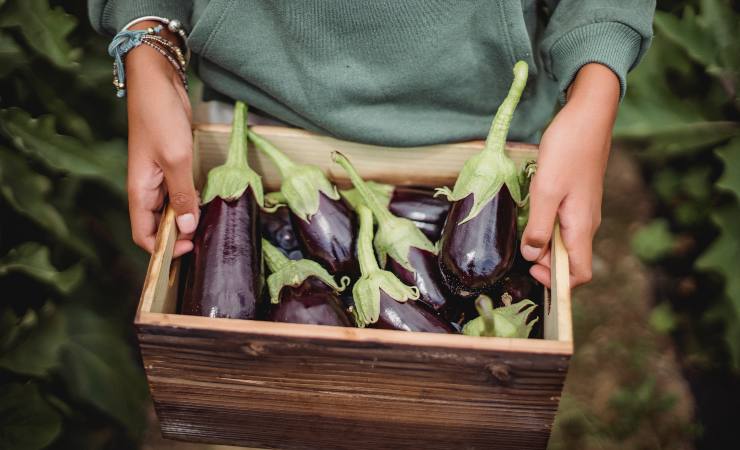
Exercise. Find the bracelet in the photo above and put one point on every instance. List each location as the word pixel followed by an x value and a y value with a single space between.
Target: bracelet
pixel 122 43
pixel 173 25
pixel 127 40
pixel 178 65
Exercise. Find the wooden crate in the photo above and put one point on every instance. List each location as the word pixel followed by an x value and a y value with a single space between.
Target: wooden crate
pixel 273 385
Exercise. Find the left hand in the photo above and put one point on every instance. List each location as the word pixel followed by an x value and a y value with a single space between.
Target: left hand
pixel 569 180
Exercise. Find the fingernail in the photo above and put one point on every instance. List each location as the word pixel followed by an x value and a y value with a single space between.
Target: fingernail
pixel 530 253
pixel 186 223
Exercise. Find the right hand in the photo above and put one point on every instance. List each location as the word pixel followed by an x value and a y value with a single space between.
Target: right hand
pixel 160 148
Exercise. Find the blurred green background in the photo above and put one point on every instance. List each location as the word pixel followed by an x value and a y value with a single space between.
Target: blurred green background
pixel 657 361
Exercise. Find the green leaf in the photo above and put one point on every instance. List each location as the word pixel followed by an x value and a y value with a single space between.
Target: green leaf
pixel 724 253
pixel 38 137
pixel 45 29
pixel 32 259
pixel 26 192
pixel 27 421
pixel 689 33
pixel 664 123
pixel 653 241
pixel 730 156
pixel 11 55
pixel 99 369
pixel 35 344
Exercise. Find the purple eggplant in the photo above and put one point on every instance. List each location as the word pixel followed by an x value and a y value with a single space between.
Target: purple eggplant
pixel 278 229
pixel 324 224
pixel 401 247
pixel 508 321
pixel 414 203
pixel 478 240
pixel 381 299
pixel 227 274
pixel 302 291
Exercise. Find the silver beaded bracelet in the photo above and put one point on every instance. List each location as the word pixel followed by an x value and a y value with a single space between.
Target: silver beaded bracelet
pixel 172 25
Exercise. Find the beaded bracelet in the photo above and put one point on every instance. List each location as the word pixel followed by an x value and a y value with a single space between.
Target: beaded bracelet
pixel 126 40
pixel 178 65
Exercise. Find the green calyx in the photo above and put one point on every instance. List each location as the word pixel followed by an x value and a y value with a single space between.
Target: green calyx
pixel 366 291
pixel 301 183
pixel 382 193
pixel 484 174
pixel 525 179
pixel 287 272
pixel 396 235
pixel 230 180
pixel 508 321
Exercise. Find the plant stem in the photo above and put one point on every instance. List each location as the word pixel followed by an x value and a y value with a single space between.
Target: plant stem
pixel 274 258
pixel 283 163
pixel 365 254
pixel 484 305
pixel 496 140
pixel 368 196
pixel 237 156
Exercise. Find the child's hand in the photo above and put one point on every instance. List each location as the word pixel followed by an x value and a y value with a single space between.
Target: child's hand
pixel 160 145
pixel 570 174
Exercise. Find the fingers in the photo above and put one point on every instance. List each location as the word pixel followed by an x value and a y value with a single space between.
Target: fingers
pixel 145 200
pixel 541 273
pixel 544 204
pixel 578 224
pixel 182 246
pixel 178 176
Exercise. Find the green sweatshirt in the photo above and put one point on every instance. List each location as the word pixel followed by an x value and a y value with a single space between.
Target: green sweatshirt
pixel 397 72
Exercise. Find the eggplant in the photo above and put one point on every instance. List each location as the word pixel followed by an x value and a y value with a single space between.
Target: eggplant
pixel 478 240
pixel 278 229
pixel 401 247
pixel 302 291
pixel 381 299
pixel 226 270
pixel 414 203
pixel 508 321
pixel 324 224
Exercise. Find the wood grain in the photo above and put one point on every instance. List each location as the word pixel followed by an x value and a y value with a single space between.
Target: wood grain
pixel 290 386
pixel 272 391
pixel 435 165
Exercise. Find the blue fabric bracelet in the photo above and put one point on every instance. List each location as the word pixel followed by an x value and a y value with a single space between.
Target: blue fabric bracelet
pixel 122 43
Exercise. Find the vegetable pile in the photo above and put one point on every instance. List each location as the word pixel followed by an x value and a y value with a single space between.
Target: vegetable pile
pixel 378 256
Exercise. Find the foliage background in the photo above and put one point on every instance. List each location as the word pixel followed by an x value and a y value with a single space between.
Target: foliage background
pixel 69 275
pixel 68 272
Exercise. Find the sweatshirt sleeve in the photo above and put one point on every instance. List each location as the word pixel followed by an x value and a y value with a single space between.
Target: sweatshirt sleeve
pixel 615 33
pixel 109 16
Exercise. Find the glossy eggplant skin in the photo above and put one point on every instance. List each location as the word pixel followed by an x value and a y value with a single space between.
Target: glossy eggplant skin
pixel 226 269
pixel 408 316
pixel 329 236
pixel 278 229
pixel 312 302
pixel 420 206
pixel 476 254
pixel 426 277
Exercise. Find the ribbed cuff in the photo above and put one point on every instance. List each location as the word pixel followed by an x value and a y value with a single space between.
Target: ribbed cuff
pixel 612 44
pixel 117 13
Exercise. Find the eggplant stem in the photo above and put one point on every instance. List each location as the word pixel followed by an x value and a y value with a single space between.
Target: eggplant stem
pixel 496 140
pixel 281 161
pixel 237 156
pixel 484 305
pixel 371 200
pixel 365 254
pixel 273 257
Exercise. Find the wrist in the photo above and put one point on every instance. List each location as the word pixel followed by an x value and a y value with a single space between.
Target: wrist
pixel 595 90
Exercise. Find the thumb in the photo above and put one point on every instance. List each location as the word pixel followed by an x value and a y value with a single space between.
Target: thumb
pixel 542 212
pixel 182 195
